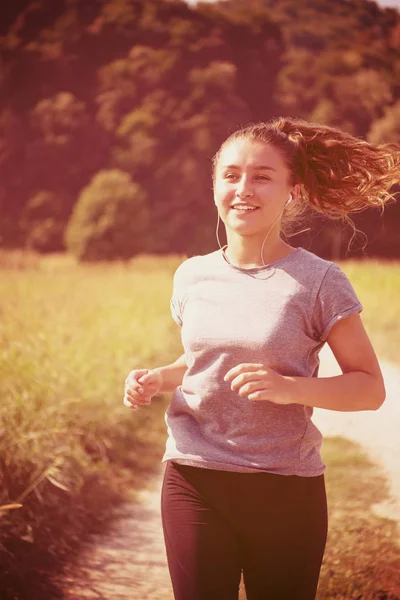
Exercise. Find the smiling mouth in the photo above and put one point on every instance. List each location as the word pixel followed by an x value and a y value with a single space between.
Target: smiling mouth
pixel 244 208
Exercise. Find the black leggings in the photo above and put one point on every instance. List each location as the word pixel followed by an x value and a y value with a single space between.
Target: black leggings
pixel 220 523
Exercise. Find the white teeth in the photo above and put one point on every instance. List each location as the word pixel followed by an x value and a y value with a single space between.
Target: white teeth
pixel 241 207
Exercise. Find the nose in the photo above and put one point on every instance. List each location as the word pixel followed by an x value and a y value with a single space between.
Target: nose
pixel 244 188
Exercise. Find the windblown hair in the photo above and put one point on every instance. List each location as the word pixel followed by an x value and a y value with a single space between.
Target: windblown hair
pixel 338 173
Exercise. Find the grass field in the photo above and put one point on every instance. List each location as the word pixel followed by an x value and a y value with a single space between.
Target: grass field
pixel 69 450
pixel 361 561
pixel 378 287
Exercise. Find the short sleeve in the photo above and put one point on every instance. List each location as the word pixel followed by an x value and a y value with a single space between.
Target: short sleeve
pixel 336 300
pixel 175 311
pixel 178 290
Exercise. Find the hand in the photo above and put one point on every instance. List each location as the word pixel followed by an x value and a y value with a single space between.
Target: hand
pixel 258 382
pixel 140 386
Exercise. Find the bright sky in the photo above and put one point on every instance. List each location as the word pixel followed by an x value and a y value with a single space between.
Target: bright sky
pixel 394 3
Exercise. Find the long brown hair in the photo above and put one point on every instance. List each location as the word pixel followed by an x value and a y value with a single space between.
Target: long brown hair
pixel 338 173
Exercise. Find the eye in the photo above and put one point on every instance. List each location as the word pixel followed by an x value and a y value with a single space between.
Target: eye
pixel 230 176
pixel 263 177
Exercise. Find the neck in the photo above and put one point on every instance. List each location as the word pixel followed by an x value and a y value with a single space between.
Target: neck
pixel 245 251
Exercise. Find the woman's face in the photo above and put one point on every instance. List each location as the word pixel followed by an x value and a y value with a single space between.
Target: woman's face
pixel 251 187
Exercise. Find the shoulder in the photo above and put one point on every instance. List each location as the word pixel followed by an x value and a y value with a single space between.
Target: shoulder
pixel 318 273
pixel 314 263
pixel 193 267
pixel 316 269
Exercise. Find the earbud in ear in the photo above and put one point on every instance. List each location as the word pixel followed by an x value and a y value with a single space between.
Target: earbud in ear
pixel 289 200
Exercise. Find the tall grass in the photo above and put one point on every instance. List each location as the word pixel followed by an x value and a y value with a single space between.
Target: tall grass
pixel 378 287
pixel 68 447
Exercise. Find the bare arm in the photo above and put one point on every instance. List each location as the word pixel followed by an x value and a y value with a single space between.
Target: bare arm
pixel 361 386
pixel 172 374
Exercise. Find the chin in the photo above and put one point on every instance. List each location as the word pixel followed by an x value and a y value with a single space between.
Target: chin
pixel 247 231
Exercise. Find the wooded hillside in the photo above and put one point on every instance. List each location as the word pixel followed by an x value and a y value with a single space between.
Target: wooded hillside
pixel 107 104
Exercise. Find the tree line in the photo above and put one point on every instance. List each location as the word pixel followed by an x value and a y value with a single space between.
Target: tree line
pixel 112 109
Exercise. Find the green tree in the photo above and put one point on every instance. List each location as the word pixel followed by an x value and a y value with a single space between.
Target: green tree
pixel 387 128
pixel 360 98
pixel 168 142
pixel 65 147
pixel 125 82
pixel 59 118
pixel 152 87
pixel 11 182
pixel 43 221
pixel 109 220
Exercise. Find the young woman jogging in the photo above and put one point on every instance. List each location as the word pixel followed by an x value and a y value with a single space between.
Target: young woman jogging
pixel 244 481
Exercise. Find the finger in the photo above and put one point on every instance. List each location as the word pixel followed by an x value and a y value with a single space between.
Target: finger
pixel 259 395
pixel 146 379
pixel 143 400
pixel 128 403
pixel 251 387
pixel 148 387
pixel 133 388
pixel 134 393
pixel 243 367
pixel 134 376
pixel 247 377
pixel 151 379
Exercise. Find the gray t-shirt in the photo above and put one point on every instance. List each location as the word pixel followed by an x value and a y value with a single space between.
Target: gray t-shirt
pixel 279 315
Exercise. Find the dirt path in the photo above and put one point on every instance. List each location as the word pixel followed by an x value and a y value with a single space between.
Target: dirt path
pixel 128 563
pixel 377 431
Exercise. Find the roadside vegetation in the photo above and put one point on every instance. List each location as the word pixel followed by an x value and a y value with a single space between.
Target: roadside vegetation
pixel 377 284
pixel 362 559
pixel 69 449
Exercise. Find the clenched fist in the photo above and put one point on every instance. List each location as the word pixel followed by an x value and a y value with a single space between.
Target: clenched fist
pixel 140 386
pixel 258 382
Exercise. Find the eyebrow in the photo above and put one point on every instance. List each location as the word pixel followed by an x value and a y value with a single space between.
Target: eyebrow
pixel 256 167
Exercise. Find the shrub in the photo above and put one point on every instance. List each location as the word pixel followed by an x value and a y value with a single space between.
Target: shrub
pixel 109 220
pixel 386 129
pixel 43 221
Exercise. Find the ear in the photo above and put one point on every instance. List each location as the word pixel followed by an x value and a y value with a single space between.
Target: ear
pixel 296 191
pixel 294 194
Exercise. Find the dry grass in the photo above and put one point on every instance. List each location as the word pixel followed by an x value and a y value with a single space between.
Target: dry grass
pixel 362 559
pixel 19 260
pixel 68 447
pixel 378 287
